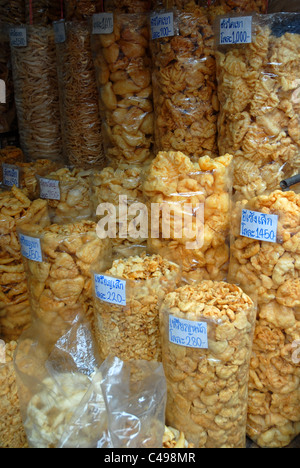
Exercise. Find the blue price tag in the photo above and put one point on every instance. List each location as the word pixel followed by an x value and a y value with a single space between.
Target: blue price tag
pixel 31 248
pixel 109 289
pixel 259 226
pixel 188 333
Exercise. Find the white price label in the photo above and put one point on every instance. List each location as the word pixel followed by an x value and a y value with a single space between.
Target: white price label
pixel 109 289
pixel 236 30
pixel 259 226
pixel 31 248
pixel 59 31
pixel 11 175
pixel 103 23
pixel 188 333
pixel 162 25
pixel 18 36
pixel 49 189
pixel 2 92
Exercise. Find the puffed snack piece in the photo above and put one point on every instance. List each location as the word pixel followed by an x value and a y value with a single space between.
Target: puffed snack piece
pixel 197 198
pixel 131 331
pixel 270 271
pixel 175 439
pixel 207 380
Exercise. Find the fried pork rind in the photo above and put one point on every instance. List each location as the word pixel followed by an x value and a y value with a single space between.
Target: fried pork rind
pixel 60 287
pixel 208 388
pixel 123 70
pixel 271 271
pixel 259 108
pixel 132 331
pixel 175 439
pixel 12 434
pixel 184 86
pixel 75 196
pixel 16 210
pixel 108 186
pixel 173 182
pixel 81 121
pixel 36 95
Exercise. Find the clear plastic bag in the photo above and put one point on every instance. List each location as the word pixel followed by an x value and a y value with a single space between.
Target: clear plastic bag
pixel 184 86
pixel 36 95
pixel 207 333
pixel 70 399
pixel 267 267
pixel 81 121
pixel 225 7
pixel 8 115
pixel 12 11
pixel 280 6
pixel 60 286
pixel 129 329
pixel 123 69
pixel 81 9
pixel 16 210
pixel 189 207
pixel 259 119
pixel 42 12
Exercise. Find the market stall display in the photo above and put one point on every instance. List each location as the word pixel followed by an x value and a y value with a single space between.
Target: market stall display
pixel 130 329
pixel 81 9
pixel 123 69
pixel 259 105
pixel 80 117
pixel 193 213
pixel 184 86
pixel 270 271
pixel 42 12
pixel 207 366
pixel 36 95
pixel 16 210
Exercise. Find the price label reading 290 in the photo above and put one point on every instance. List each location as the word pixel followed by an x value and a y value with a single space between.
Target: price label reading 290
pixel 109 289
pixel 188 333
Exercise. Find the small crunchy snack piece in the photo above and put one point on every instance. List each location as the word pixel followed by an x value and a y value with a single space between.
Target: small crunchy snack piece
pixel 12 434
pixel 175 439
pixel 196 233
pixel 16 209
pixel 60 287
pixel 271 271
pixel 123 70
pixel 131 331
pixel 259 121
pixel 208 386
pixel 184 86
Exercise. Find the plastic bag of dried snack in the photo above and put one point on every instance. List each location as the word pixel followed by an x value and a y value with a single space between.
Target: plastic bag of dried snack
pixel 123 68
pixel 36 94
pixel 207 333
pixel 68 193
pixel 265 261
pixel 16 210
pixel 42 12
pixel 216 8
pixel 258 89
pixel 126 305
pixel 58 273
pixel 189 205
pixel 81 121
pixel 12 434
pixel 12 11
pixel 184 85
pixel 81 9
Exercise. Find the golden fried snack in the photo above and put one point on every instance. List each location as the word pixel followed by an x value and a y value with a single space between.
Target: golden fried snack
pixel 12 434
pixel 271 271
pixel 75 196
pixel 16 210
pixel 49 411
pixel 208 386
pixel 37 96
pixel 184 86
pixel 223 7
pixel 259 109
pixel 195 232
pixel 123 70
pixel 175 439
pixel 81 122
pixel 60 287
pixel 131 331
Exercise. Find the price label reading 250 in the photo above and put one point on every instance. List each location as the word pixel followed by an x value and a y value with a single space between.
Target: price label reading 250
pixel 109 289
